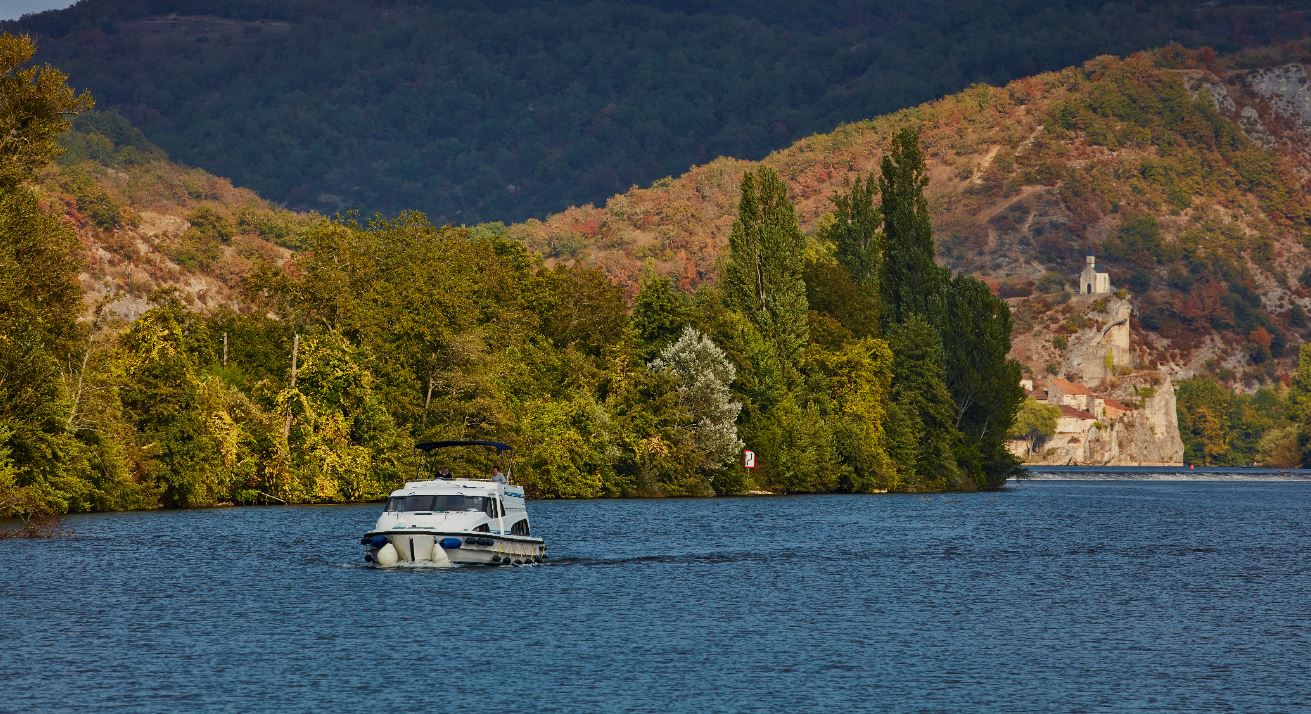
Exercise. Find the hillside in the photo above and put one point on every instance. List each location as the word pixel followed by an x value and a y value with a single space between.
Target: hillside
pixel 474 111
pixel 148 223
pixel 1184 172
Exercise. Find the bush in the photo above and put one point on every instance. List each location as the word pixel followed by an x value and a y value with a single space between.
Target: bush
pixel 208 225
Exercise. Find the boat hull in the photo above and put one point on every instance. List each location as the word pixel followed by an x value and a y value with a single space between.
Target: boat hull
pixel 422 546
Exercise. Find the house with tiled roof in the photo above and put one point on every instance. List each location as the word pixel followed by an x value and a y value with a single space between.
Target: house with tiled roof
pixel 1074 421
pixel 1063 391
pixel 1113 409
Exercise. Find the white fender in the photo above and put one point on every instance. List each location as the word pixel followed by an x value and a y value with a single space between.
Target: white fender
pixel 386 556
pixel 439 555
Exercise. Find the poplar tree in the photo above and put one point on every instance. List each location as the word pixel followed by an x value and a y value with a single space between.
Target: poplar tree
pixel 857 231
pixel 919 388
pixel 763 278
pixel 984 381
pixel 910 280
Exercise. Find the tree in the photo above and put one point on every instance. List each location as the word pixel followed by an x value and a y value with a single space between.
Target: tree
pixel 35 103
pixel 910 280
pixel 984 381
pixel 1035 422
pixel 832 293
pixel 919 387
pixel 703 374
pixel 1299 398
pixel 854 382
pixel 39 295
pixel 797 451
pixel 660 313
pixel 344 445
pixel 763 278
pixel 1204 408
pixel 857 232
pixel 164 400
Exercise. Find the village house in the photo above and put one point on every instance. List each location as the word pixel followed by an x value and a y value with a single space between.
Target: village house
pixel 1082 414
pixel 1113 410
pixel 1067 393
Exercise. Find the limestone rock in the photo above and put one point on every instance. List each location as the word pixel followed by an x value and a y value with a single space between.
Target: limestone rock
pixel 1106 333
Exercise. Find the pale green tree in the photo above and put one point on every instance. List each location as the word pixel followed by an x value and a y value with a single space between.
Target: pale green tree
pixel 702 375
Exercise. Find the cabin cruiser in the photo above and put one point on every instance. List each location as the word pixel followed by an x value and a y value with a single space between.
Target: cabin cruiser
pixel 445 520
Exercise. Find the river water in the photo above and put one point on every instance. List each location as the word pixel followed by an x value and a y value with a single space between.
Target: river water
pixel 1048 596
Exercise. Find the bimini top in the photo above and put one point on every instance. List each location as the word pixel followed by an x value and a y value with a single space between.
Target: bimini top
pixel 430 445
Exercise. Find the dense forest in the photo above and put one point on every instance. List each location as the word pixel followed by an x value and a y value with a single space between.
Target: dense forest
pixel 1270 426
pixel 474 111
pixel 847 359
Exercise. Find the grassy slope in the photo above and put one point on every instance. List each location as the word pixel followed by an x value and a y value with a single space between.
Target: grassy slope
pixel 1201 212
pixel 134 210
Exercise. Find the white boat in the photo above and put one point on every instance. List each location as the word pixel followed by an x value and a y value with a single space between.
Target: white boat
pixel 455 521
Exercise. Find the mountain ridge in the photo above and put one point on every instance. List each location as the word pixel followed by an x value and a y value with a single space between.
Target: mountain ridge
pixel 474 111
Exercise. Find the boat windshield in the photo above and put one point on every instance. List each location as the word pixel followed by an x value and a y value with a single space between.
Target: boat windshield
pixel 443 502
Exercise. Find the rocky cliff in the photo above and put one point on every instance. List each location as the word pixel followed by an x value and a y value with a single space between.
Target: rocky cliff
pixel 1089 340
pixel 1146 436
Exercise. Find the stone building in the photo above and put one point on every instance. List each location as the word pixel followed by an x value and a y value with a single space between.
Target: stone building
pixel 1092 282
pixel 1063 392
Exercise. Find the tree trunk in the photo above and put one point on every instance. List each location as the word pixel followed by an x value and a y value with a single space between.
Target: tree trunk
pixel 295 353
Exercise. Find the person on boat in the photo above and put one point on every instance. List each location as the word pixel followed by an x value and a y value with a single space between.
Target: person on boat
pixel 444 473
pixel 497 476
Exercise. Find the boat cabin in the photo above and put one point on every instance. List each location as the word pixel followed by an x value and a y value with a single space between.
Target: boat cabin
pixel 458 505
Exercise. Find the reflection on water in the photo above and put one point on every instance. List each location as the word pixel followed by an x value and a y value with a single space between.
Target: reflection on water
pixel 1051 595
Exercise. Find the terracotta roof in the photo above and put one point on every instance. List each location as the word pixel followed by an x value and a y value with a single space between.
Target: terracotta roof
pixel 1040 396
pixel 1068 411
pixel 1117 405
pixel 1068 387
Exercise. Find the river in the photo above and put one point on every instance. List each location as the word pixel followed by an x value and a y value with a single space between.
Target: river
pixel 1060 595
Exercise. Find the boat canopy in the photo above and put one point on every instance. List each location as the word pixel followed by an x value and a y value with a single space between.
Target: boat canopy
pixel 427 446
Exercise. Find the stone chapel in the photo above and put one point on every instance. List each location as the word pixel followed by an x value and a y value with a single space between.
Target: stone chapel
pixel 1092 282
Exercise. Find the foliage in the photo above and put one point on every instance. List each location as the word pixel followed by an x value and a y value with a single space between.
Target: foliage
pixel 984 381
pixel 1223 428
pixel 316 104
pixel 382 332
pixel 919 389
pixel 702 375
pixel 33 113
pixel 856 232
pixel 763 278
pixel 1035 422
pixel 911 280
pixel 42 464
pixel 660 313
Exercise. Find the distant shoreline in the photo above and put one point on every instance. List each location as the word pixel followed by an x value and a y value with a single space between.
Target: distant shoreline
pixel 1161 473
pixel 1036 468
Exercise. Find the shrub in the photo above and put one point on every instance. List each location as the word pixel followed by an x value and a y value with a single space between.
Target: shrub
pixel 207 224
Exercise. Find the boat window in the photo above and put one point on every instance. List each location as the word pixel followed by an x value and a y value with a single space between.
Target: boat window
pixel 442 502
pixel 521 528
